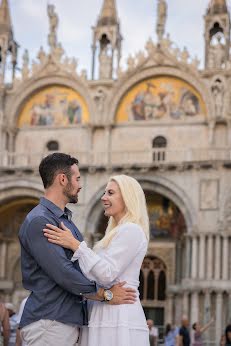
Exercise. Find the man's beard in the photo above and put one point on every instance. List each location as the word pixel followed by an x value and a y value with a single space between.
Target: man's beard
pixel 67 192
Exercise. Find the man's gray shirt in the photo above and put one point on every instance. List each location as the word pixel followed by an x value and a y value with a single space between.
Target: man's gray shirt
pixel 57 285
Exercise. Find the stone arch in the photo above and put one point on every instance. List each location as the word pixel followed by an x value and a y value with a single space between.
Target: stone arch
pixel 27 89
pixel 152 183
pixel 11 189
pixel 125 85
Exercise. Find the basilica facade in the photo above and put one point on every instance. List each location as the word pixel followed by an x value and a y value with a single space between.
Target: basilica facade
pixel 162 120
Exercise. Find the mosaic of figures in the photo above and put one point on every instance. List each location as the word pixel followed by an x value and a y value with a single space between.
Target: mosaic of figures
pixel 166 220
pixel 161 98
pixel 54 106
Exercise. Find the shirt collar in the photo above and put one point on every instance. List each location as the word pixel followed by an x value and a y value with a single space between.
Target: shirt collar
pixel 55 209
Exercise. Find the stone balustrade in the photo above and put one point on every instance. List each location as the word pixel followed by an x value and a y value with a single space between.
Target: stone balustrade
pixel 144 158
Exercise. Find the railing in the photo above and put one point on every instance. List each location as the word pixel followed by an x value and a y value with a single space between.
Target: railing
pixel 148 157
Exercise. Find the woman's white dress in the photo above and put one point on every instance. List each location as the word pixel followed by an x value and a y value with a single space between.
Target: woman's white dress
pixel 115 325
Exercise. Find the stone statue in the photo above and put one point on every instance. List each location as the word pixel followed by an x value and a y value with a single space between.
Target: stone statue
pixel 218 97
pixel 219 53
pixel 161 19
pixel 100 100
pixel 105 65
pixel 216 54
pixel 53 23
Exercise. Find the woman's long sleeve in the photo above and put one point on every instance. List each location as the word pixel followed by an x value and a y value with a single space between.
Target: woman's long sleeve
pixel 122 250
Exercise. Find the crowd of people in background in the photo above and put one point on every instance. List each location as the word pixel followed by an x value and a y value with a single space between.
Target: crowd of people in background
pixel 184 335
pixel 173 335
pixel 9 321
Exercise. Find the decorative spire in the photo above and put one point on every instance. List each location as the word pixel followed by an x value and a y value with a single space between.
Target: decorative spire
pixel 161 19
pixel 108 14
pixel 5 20
pixel 217 7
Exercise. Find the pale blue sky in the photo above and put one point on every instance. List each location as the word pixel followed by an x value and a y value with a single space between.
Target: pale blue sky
pixel 76 17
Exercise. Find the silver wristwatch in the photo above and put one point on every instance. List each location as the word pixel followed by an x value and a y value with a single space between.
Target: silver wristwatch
pixel 108 295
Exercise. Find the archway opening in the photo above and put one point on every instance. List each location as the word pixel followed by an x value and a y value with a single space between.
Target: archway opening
pixel 12 215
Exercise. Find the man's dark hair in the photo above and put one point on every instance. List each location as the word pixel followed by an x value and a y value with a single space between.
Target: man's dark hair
pixel 54 164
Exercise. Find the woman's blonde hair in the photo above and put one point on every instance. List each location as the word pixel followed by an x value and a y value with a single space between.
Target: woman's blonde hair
pixel 136 208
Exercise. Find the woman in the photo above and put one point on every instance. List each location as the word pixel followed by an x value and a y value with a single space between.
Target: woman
pixel 170 335
pixel 117 257
pixel 198 331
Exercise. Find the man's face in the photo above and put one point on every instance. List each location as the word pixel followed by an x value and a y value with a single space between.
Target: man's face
pixel 73 186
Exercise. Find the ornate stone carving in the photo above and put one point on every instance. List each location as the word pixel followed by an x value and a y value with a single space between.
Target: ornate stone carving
pixel 218 97
pixel 185 55
pixel 209 194
pixel 99 98
pixel 105 68
pixel 227 214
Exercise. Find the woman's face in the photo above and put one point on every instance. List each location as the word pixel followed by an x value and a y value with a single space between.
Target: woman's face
pixel 113 202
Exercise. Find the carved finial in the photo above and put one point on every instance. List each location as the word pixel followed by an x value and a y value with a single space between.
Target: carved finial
pixel 25 67
pixel 41 55
pixel 161 19
pixel 53 24
pixel 184 55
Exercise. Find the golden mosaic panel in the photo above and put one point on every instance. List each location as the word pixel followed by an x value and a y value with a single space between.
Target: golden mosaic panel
pixel 162 97
pixel 54 106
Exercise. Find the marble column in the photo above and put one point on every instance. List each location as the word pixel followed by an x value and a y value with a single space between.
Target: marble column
pixel 229 308
pixel 194 307
pixel 202 257
pixel 188 256
pixel 169 315
pixel 219 301
pixel 207 306
pixel 218 257
pixel 225 267
pixel 207 312
pixel 185 303
pixel 108 145
pixel 194 257
pixel 210 257
pixel 3 253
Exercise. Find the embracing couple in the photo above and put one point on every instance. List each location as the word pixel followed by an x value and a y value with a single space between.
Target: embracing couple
pixel 79 296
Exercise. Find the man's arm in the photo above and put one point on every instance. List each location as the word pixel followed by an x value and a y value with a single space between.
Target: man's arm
pixel 52 259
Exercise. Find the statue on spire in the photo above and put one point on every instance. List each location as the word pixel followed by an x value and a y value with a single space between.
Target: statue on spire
pixel 161 19
pixel 53 22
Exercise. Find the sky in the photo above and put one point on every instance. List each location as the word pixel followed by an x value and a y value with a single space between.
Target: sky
pixel 137 18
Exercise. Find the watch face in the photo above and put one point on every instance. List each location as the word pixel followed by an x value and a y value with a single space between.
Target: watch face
pixel 108 295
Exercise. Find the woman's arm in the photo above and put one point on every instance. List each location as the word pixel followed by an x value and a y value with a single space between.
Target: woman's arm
pixel 206 326
pixel 122 250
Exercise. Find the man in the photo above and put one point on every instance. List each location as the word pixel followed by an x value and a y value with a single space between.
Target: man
pixel 153 333
pixel 4 325
pixel 57 306
pixel 13 323
pixel 184 334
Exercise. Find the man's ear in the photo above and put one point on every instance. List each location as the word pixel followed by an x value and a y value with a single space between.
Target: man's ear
pixel 62 179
